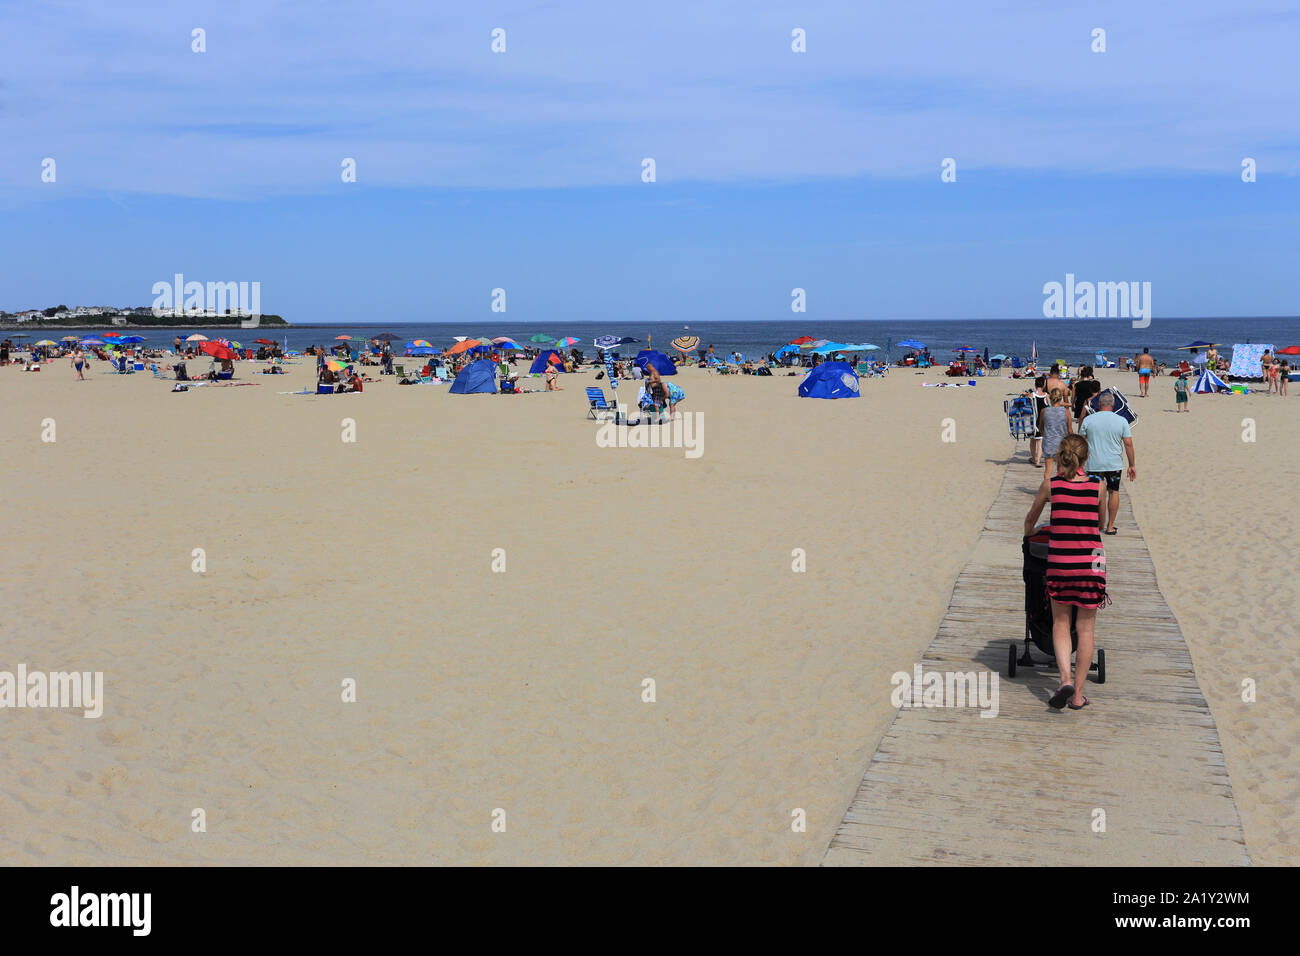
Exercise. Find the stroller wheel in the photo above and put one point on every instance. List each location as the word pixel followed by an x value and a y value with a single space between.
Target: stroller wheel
pixel 1011 661
pixel 1101 666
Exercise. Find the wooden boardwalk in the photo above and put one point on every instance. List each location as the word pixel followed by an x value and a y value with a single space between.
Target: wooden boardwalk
pixel 947 786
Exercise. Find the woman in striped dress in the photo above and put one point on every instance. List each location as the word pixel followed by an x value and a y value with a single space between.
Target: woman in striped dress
pixel 1076 562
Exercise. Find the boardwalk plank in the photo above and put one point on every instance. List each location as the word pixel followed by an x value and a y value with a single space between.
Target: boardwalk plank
pixel 948 787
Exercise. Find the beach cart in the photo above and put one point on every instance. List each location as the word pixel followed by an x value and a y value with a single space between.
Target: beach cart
pixel 1038 612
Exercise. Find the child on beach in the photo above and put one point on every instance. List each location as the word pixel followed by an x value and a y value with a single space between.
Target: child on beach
pixel 1180 394
pixel 1076 563
pixel 1053 424
pixel 1036 440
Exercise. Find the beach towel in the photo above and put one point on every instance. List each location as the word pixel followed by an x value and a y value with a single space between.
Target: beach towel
pixel 1245 360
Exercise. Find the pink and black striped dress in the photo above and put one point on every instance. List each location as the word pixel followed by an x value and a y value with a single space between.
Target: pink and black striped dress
pixel 1076 562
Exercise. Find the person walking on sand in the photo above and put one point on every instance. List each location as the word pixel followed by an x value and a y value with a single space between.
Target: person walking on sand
pixel 78 362
pixel 1146 367
pixel 1076 564
pixel 1109 439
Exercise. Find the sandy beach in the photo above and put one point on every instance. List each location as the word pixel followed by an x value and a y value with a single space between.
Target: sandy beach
pixel 522 689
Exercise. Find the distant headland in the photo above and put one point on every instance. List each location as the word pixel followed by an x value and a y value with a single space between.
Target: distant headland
pixel 139 317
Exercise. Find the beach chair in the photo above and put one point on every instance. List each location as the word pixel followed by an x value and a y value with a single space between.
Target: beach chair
pixel 157 372
pixel 399 371
pixel 596 402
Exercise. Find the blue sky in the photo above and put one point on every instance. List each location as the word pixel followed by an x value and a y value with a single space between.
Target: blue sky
pixel 522 169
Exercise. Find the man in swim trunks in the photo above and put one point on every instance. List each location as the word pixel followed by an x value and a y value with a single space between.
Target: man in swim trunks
pixel 79 363
pixel 1146 367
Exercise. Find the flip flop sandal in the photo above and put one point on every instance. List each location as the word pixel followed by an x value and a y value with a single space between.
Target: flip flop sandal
pixel 1085 703
pixel 1111 531
pixel 1061 696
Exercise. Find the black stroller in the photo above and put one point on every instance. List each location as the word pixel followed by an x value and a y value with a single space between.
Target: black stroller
pixel 1038 611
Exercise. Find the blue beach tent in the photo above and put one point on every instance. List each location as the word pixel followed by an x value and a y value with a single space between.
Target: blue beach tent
pixel 540 363
pixel 830 380
pixel 662 363
pixel 1209 383
pixel 475 377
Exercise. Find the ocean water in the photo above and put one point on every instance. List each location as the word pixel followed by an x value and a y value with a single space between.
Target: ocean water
pixel 1072 340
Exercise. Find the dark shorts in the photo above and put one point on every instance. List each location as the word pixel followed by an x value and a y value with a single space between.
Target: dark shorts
pixel 1110 477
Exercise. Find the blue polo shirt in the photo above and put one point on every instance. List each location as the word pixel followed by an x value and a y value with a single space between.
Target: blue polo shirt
pixel 1105 432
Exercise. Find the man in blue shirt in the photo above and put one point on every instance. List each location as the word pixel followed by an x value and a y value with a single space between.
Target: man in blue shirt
pixel 1109 440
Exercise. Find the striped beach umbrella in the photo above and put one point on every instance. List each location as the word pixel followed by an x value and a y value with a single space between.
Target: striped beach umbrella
pixel 565 342
pixel 686 343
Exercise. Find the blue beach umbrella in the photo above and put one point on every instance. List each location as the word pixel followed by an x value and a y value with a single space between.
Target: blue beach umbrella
pixel 89 340
pixel 910 344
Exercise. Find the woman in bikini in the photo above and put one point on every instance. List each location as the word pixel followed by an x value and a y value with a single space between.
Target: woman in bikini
pixel 1076 563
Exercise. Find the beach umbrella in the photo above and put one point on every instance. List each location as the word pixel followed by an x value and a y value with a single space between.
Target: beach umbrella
pixel 539 337
pixel 342 338
pixel 986 355
pixel 334 365
pixel 262 342
pixel 501 339
pixel 91 340
pixel 1289 350
pixel 68 338
pixel 686 343
pixel 387 337
pixel 196 337
pixel 1000 356
pixel 1122 407
pixel 605 341
pixel 814 344
pixel 218 351
pixel 801 340
pixel 1196 345
pixel 47 342
pixel 965 348
pixel 419 344
pixel 910 344
pixel 423 350
pixel 131 339
pixel 507 345
pixel 463 345
pixel 566 341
